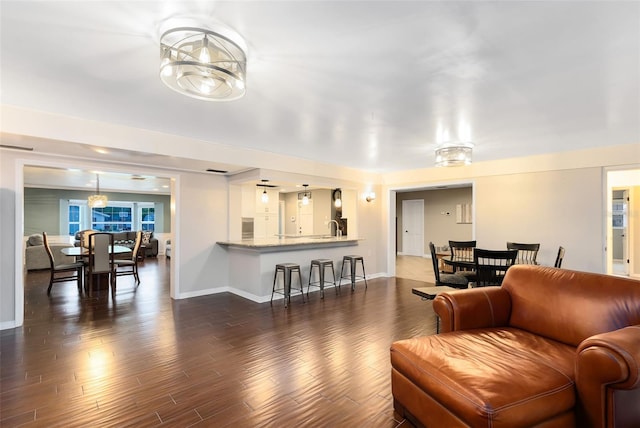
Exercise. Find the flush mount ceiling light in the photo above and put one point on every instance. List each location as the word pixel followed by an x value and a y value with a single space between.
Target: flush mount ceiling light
pixel 453 154
pixel 208 64
pixel 97 200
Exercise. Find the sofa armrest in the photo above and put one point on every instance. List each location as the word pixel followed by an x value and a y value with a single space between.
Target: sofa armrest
pixel 472 308
pixel 607 363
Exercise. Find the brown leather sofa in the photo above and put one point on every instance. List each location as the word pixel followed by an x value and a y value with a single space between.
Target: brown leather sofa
pixel 550 348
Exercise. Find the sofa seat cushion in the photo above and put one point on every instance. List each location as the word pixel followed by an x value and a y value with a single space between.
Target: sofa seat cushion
pixel 499 377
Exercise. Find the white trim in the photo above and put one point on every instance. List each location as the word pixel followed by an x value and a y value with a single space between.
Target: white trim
pixel 19 243
pixel 6 325
pixel 263 299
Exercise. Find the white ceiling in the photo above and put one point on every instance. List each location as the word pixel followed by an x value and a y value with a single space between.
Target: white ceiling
pixel 365 84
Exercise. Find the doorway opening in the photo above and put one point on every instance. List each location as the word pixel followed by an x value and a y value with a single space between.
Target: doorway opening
pixel 435 208
pixel 622 222
pixel 74 166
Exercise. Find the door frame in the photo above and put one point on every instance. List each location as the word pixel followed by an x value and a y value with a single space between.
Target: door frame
pixel 392 230
pixel 19 270
pixel 619 178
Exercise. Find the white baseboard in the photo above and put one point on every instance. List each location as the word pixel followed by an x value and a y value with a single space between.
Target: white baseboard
pixel 6 325
pixel 256 298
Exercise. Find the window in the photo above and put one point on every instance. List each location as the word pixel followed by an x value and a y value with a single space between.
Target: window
pixel 147 218
pixel 116 217
pixel 74 219
pixel 111 219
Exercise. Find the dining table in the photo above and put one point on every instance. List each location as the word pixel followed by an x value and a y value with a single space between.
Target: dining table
pixel 459 263
pixel 83 252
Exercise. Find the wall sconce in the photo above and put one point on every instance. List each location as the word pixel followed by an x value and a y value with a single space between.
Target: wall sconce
pixel 371 196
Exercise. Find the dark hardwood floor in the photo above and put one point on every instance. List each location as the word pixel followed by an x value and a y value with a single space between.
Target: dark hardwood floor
pixel 143 359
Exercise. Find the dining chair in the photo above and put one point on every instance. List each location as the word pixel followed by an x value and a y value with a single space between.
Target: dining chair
pixel 559 257
pixel 77 268
pixel 101 264
pixel 492 265
pixel 455 280
pixel 463 250
pixel 130 266
pixel 527 253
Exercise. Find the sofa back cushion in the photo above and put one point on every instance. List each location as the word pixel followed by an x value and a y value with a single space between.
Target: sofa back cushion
pixel 570 306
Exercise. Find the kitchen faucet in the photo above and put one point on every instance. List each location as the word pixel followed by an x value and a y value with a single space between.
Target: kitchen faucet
pixel 338 230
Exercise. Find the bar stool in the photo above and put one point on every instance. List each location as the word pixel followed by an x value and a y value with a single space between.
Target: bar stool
pixel 286 269
pixel 321 264
pixel 352 260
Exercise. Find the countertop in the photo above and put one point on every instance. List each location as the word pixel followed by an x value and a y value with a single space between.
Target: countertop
pixel 312 241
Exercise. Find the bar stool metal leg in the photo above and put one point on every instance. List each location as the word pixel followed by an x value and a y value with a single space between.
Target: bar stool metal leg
pixel 353 260
pixel 286 269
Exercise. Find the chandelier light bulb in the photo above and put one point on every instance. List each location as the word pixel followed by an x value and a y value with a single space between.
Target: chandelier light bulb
pixel 205 56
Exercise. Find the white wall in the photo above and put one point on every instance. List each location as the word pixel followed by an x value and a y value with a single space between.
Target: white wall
pixel 552 199
pixel 551 208
pixel 202 221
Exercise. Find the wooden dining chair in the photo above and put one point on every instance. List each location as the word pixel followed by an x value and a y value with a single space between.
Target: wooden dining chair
pixel 527 253
pixel 130 266
pixel 559 257
pixel 492 265
pixel 463 250
pixel 446 279
pixel 100 263
pixel 77 268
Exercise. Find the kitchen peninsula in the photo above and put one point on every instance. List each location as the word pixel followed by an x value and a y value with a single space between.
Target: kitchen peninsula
pixel 252 261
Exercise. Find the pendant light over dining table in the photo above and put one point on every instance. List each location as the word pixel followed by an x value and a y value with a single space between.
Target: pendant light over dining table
pixel 97 200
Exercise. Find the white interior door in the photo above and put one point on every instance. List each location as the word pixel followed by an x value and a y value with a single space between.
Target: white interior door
pixel 413 227
pixel 305 218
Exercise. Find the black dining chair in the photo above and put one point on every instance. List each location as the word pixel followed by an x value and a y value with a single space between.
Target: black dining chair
pixel 76 268
pixel 455 280
pixel 559 257
pixel 463 250
pixel 527 253
pixel 492 265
